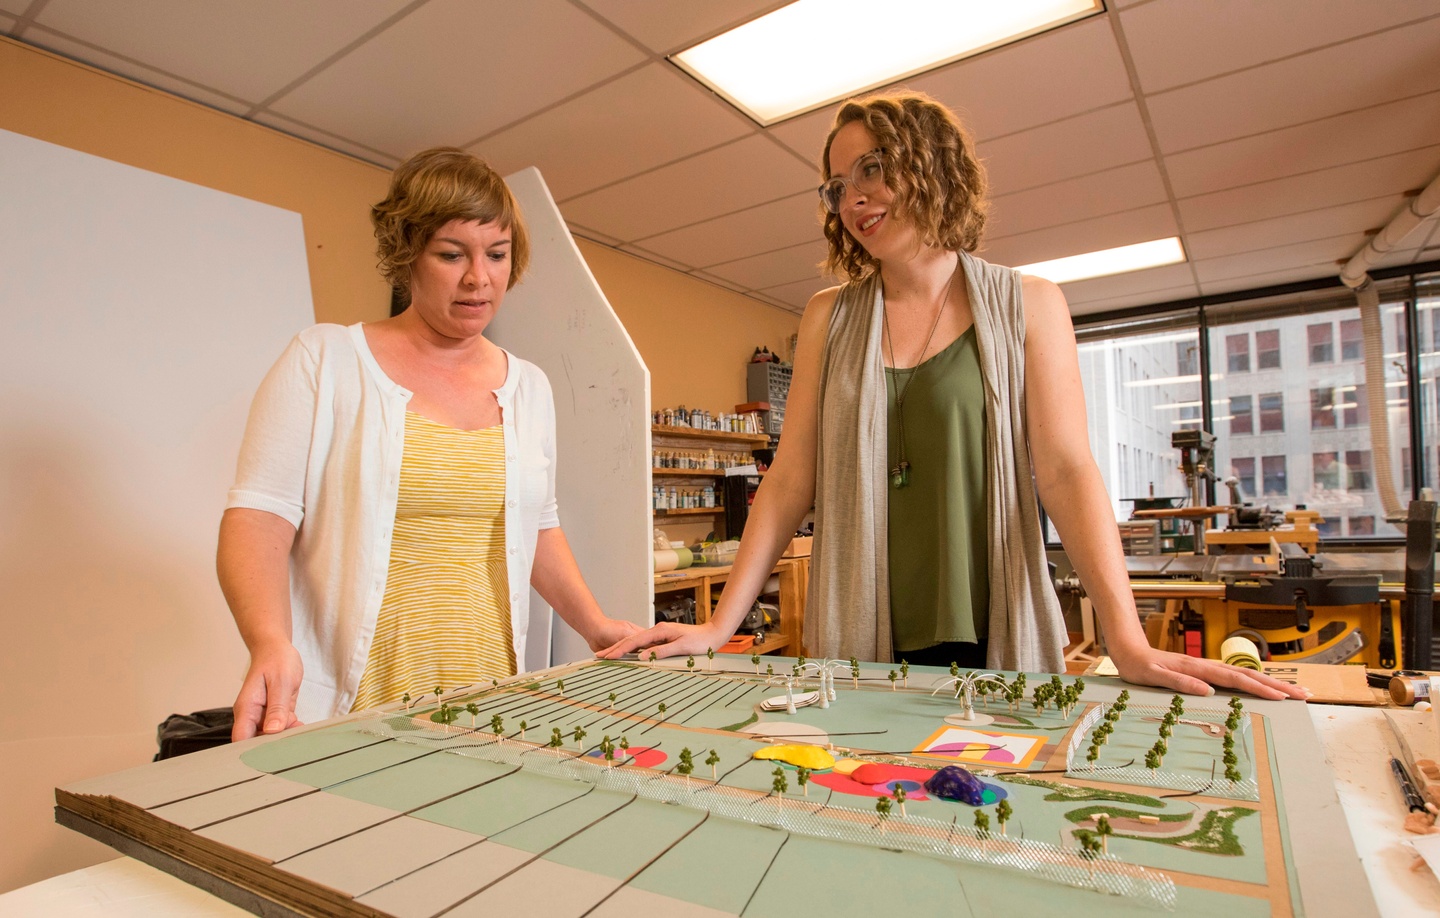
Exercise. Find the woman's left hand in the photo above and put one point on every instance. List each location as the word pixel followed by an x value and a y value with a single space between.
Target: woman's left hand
pixel 1195 676
pixel 610 631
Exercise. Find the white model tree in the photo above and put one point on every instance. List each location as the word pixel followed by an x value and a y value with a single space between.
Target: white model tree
pixel 965 685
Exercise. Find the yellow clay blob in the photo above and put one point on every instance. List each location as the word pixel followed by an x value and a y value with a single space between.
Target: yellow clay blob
pixel 811 757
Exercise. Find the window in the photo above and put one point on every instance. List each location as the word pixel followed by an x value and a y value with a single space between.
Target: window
pixel 1362 525
pixel 1352 340
pixel 1187 359
pixel 1321 339
pixel 1357 470
pixel 1327 471
pixel 1328 528
pixel 1354 409
pixel 1322 409
pixel 1272 412
pixel 1267 349
pixel 1242 416
pixel 1237 353
pixel 1272 473
pixel 1243 468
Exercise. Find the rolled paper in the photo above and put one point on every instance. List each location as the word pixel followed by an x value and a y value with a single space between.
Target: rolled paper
pixel 667 559
pixel 686 558
pixel 1240 651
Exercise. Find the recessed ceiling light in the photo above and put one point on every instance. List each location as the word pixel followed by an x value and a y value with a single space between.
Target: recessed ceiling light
pixel 1135 257
pixel 813 52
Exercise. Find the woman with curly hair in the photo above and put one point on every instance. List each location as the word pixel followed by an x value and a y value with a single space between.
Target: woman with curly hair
pixel 933 396
pixel 395 494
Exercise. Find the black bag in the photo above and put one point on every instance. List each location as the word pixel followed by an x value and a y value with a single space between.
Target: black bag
pixel 185 733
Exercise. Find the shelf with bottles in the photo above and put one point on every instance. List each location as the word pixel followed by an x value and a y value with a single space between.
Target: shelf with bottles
pixel 714 436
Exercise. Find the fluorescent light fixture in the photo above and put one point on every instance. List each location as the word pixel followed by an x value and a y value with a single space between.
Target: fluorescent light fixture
pixel 813 52
pixel 1105 262
pixel 1163 381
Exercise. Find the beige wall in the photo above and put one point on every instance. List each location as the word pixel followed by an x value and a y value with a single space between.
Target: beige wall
pixel 695 337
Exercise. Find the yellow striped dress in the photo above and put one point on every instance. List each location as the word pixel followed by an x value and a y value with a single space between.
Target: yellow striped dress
pixel 445 616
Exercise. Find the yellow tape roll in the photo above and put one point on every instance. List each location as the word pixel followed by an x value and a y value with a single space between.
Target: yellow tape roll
pixel 1240 651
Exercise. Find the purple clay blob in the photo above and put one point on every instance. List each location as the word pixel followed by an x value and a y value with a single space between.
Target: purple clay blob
pixel 955 783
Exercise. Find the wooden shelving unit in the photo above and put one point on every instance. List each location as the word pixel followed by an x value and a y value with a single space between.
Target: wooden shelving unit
pixel 794 574
pixel 715 436
pixel 688 438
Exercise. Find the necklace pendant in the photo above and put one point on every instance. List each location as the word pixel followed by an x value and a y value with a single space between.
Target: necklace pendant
pixel 900 475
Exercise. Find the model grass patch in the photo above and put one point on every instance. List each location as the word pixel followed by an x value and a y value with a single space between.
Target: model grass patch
pixel 1214 835
pixel 1085 813
pixel 1060 792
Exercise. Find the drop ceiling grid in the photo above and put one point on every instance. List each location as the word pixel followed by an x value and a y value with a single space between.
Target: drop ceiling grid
pixel 643 158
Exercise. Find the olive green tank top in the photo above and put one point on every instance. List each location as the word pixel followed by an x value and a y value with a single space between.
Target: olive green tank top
pixel 939 590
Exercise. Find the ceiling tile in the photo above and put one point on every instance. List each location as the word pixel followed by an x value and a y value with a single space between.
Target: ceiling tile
pixel 1268 279
pixel 1379 131
pixel 796 295
pixel 1148 298
pixel 453 71
pixel 642 120
pixel 1368 71
pixel 1312 191
pixel 1050 76
pixel 1319 255
pixel 16 7
pixel 306 132
pixel 7 20
pixel 776 225
pixel 247 49
pixel 1304 227
pixel 806 134
pixel 1182 41
pixel 1113 190
pixel 665 26
pixel 639 252
pixel 1076 146
pixel 1131 283
pixel 1139 225
pixel 772 269
pixel 734 177
pixel 60 44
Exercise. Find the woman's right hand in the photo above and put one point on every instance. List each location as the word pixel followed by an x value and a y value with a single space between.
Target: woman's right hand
pixel 266 703
pixel 668 639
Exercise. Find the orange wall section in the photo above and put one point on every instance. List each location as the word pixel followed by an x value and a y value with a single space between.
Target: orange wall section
pixel 696 338
pixel 60 101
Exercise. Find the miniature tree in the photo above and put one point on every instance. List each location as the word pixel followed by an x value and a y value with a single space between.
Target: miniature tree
pixel 1166 730
pixel 1177 705
pixel 1152 759
pixel 1229 758
pixel 1232 774
pixel 779 785
pixel 690 663
pixel 653 656
pixel 614 697
pixel 523 725
pixel 624 746
pixel 556 740
pixel 802 778
pixel 854 672
pixel 710 658
pixel 769 669
pixel 497 727
pixel 1161 747
pixel 755 658
pixel 1079 685
pixel 905 672
pixel 1003 812
pixel 882 807
pixel 1089 847
pixel 1227 742
pixel 713 760
pixel 607 749
pixel 405 699
pixel 473 710
pixel 662 710
pixel 1093 755
pixel 1103 829
pixel 900 798
pixel 893 676
pixel 579 735
pixel 982 824
pixel 684 768
pixel 438 692
pixel 560 687
pixel 800 660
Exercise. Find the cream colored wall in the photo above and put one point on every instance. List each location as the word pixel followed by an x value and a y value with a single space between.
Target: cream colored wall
pixel 696 339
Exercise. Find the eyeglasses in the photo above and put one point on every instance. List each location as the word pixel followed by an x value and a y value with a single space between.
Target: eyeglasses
pixel 867 176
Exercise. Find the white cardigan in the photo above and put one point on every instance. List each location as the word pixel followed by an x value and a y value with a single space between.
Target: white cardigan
pixel 322 450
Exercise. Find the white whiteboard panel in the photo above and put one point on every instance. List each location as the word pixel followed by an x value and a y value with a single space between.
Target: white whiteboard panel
pixel 137 315
pixel 558 318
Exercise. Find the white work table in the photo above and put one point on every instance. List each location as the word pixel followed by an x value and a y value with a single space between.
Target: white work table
pixel 1357 746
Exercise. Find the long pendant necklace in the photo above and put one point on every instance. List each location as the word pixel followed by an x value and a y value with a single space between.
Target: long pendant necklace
pixel 900 474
